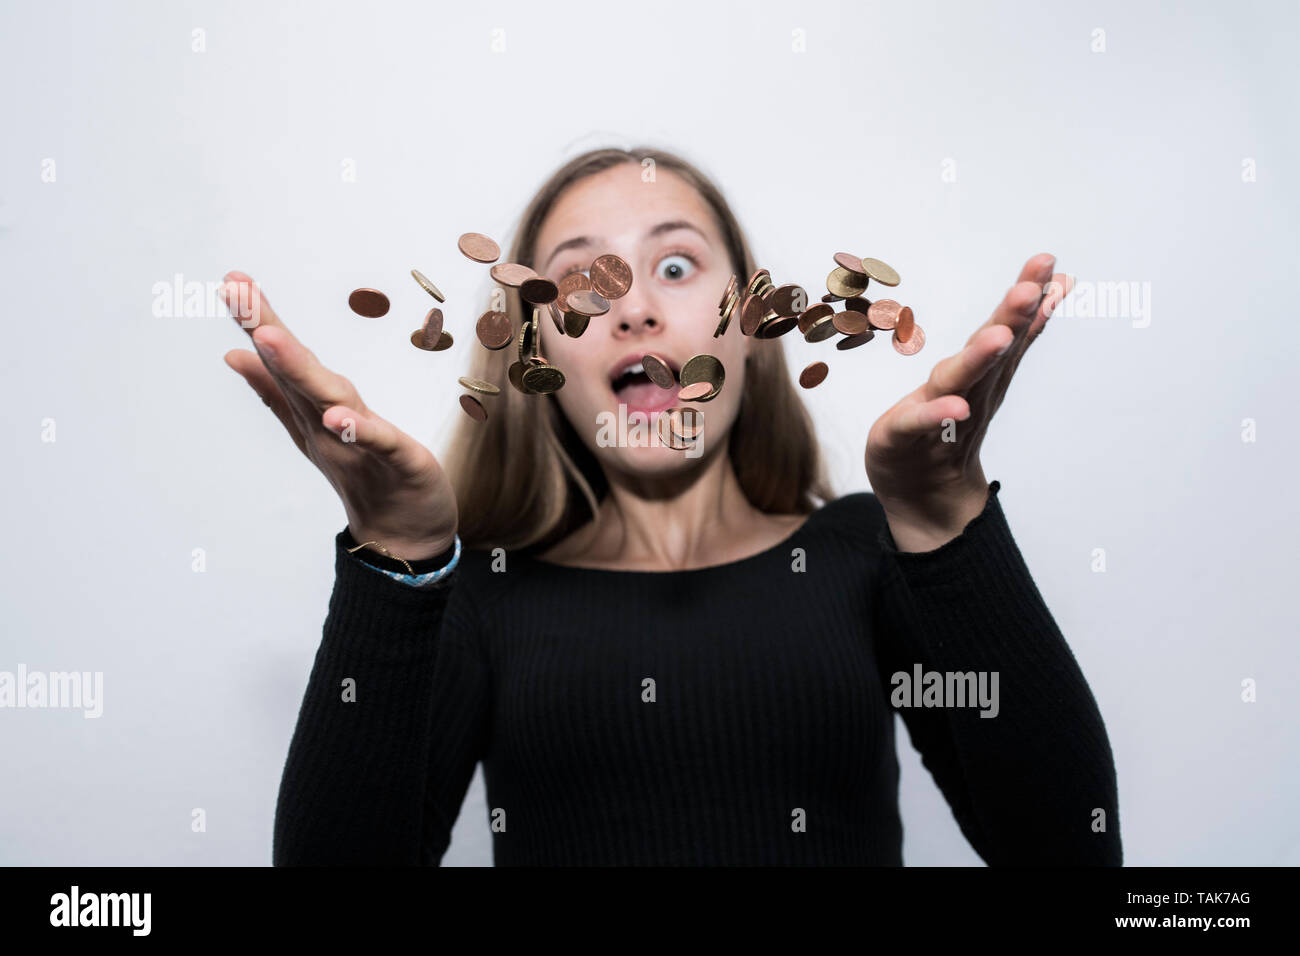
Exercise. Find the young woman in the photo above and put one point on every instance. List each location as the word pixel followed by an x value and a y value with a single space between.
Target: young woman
pixel 665 657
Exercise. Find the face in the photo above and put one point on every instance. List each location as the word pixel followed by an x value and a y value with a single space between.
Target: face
pixel 666 232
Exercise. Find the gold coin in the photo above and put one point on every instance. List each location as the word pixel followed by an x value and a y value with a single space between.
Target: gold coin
pixel 818 311
pixel 478 247
pixel 726 293
pixel 658 371
pixel 913 345
pixel 880 271
pixel 525 341
pixel 841 282
pixel 727 311
pixel 473 408
pixel 703 368
pixel 512 274
pixel 516 376
pixel 444 341
pixel 543 379
pixel 575 323
pixel 426 285
pixel 478 385
pixel 756 281
pixel 821 330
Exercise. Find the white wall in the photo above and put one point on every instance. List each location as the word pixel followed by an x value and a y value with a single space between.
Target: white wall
pixel 1117 434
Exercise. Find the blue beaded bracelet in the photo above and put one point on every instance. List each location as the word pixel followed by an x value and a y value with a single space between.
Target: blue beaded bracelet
pixel 420 580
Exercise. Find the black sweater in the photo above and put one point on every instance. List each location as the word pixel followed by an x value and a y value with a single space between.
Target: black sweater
pixel 736 714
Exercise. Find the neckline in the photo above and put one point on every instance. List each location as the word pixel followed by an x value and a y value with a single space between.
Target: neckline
pixel 678 572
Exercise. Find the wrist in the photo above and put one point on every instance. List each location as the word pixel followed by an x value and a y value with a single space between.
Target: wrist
pixel 930 525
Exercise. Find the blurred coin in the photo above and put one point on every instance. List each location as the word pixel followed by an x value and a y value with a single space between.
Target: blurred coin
pixel 479 385
pixel 883 314
pixel 850 262
pixel 726 293
pixel 663 427
pixel 813 375
pixel 853 341
pixel 543 378
pixel 370 303
pixel 473 408
pixel 479 247
pixel 426 285
pixel 444 341
pixel 575 323
pixel 538 290
pixel 913 345
pixel 685 423
pixel 775 327
pixel 557 317
pixel 512 274
pixel 589 303
pixel 573 282
pixel 611 276
pixel 695 391
pixel 728 311
pixel 821 330
pixel 516 376
pixel 752 314
pixel 844 283
pixel 819 311
pixel 756 280
pixel 657 370
pixel 832 297
pixel 524 341
pixel 855 303
pixel 881 272
pixel 703 368
pixel 788 300
pixel 850 322
pixel 906 322
pixel 432 327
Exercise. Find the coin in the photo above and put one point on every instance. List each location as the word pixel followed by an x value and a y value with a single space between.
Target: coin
pixel 819 311
pixel 881 272
pixel 657 371
pixel 685 423
pixel 516 375
pixel 726 293
pixel 851 322
pixel 752 314
pixel 788 300
pixel 728 311
pixel 663 427
pixel 821 330
pixel 611 276
pixel 850 262
pixel 573 282
pixel 853 341
pixel 426 285
pixel 832 297
pixel 775 327
pixel 478 247
pixel 906 323
pixel 844 283
pixel 813 375
pixel 703 368
pixel 525 340
pixel 444 342
pixel 756 280
pixel 370 303
pixel 588 303
pixel 479 385
pixel 511 274
pixel 575 323
pixel 538 290
pixel 855 303
pixel 473 408
pixel 695 391
pixel 543 378
pixel 417 339
pixel 883 314
pixel 913 345
pixel 432 327
pixel 557 317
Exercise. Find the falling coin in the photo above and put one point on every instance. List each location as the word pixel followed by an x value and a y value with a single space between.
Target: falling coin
pixel 557 317
pixel 906 323
pixel 850 262
pixel 776 327
pixel 756 280
pixel 788 300
pixel 728 311
pixel 494 331
pixel 478 247
pixel 432 328
pixel 914 343
pixel 883 314
pixel 543 378
pixel 813 375
pixel 426 285
pixel 882 273
pixel 853 341
pixel 370 303
pixel 479 385
pixel 821 330
pixel 726 293
pixel 695 391
pixel 703 368
pixel 511 274
pixel 851 322
pixel 686 423
pixel 443 343
pixel 832 297
pixel 844 283
pixel 589 303
pixel 810 318
pixel 657 371
pixel 663 427
pixel 573 282
pixel 575 323
pixel 855 303
pixel 611 276
pixel 752 314
pixel 516 376
pixel 473 408
pixel 538 290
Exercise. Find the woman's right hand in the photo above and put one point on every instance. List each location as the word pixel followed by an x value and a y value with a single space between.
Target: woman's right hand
pixel 392 487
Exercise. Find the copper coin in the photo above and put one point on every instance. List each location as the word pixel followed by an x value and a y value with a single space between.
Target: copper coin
pixel 417 339
pixel 493 330
pixel 756 280
pixel 813 375
pixel 686 423
pixel 752 314
pixel 444 342
pixel 832 297
pixel 855 303
pixel 432 327
pixel 726 293
pixel 728 311
pixel 821 330
pixel 473 408
pixel 850 262
pixel 906 323
pixel 663 427
pixel 426 285
pixel 516 376
pixel 788 300
pixel 881 272
pixel 611 276
pixel 776 327
pixel 657 371
pixel 844 283
pixel 883 314
pixel 588 303
pixel 538 290
pixel 557 317
pixel 478 247
pixel 818 311
pixel 694 392
pixel 853 341
pixel 575 323
pixel 512 274
pixel 914 344
pixel 851 322
pixel 370 303
pixel 482 386
pixel 543 379
pixel 573 282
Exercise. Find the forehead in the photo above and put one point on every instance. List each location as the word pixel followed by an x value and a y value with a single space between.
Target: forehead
pixel 618 207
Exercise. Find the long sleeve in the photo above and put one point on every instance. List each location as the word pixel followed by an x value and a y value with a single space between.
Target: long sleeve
pixel 393 721
pixel 1025 785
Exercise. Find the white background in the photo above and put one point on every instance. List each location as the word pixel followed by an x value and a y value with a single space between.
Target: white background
pixel 1127 164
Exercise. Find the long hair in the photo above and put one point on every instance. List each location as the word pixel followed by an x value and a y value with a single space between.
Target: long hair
pixel 525 480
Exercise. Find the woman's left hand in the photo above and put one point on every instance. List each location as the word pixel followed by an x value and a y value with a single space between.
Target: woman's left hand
pixel 927 476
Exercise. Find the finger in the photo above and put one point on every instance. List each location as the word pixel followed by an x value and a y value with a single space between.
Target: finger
pixel 249 306
pixel 956 374
pixel 923 418
pixel 308 382
pixel 250 367
pixel 371 434
pixel 1037 272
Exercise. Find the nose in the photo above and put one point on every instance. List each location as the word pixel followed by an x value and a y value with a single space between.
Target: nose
pixel 635 316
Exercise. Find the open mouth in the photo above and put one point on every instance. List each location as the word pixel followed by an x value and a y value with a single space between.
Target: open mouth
pixel 634 388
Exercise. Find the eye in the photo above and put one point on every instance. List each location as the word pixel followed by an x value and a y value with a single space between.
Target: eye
pixel 677 266
pixel 572 269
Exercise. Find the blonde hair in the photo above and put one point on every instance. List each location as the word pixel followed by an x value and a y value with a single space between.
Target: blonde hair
pixel 525 479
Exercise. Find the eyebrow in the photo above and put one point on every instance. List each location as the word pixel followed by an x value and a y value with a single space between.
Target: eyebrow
pixel 579 242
